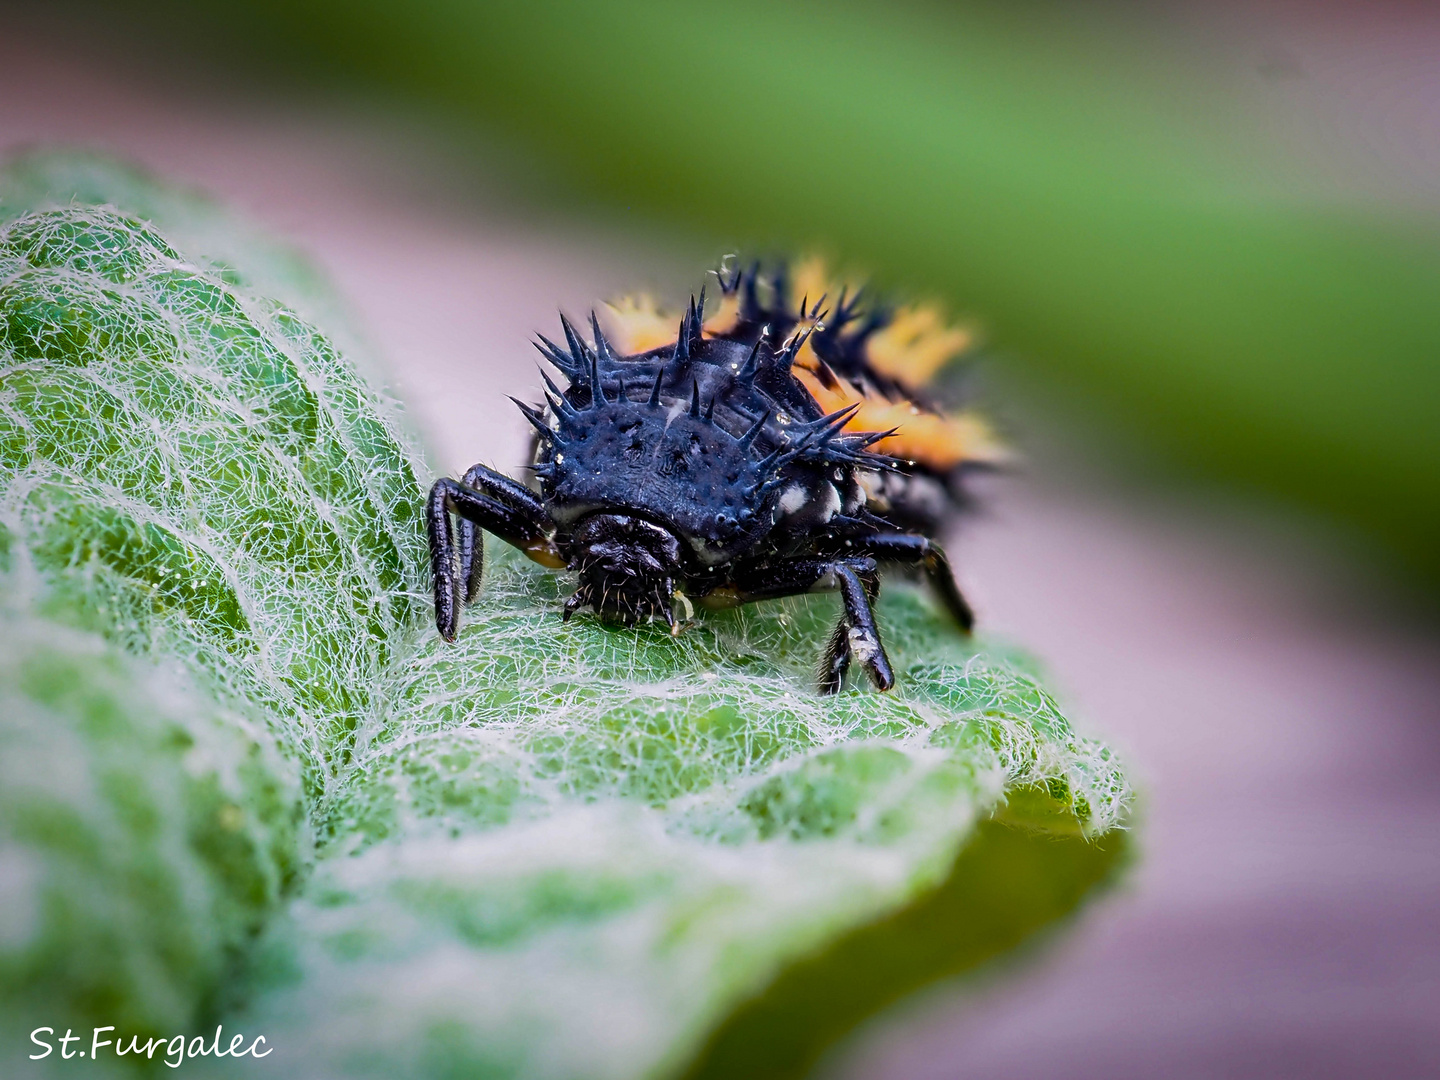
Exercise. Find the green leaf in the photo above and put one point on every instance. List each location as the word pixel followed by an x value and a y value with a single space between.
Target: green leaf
pixel 147 832
pixel 202 474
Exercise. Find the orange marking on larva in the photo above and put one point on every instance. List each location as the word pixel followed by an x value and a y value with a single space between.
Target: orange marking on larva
pixel 915 344
pixel 809 281
pixel 933 439
pixel 723 317
pixel 910 348
pixel 634 324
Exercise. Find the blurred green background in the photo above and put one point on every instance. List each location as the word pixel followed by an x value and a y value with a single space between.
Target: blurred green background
pixel 1104 201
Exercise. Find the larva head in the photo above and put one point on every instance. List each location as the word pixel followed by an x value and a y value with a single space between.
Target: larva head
pixel 629 568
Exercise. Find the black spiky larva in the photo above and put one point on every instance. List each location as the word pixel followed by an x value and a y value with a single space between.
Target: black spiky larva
pixel 703 470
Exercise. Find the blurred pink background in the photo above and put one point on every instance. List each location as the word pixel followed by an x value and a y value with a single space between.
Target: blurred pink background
pixel 1283 918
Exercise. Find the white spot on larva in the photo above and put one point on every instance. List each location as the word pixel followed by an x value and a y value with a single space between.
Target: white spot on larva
pixel 829 502
pixel 872 489
pixel 793 498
